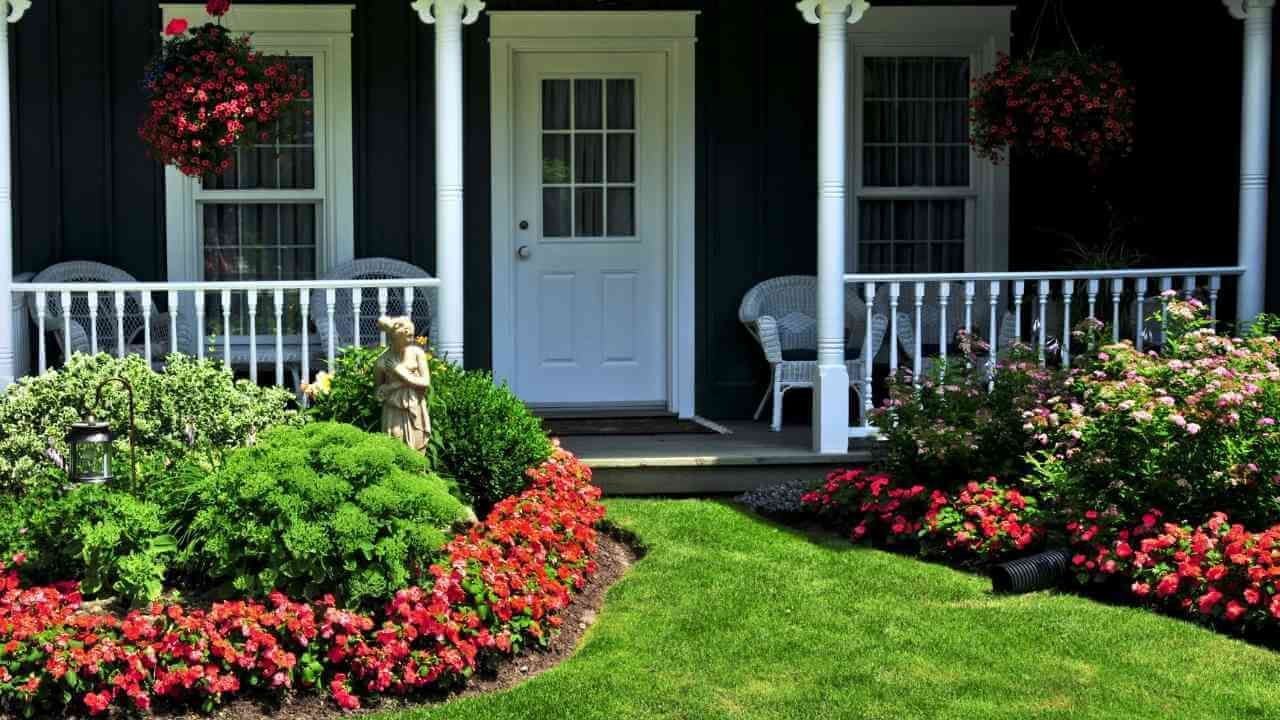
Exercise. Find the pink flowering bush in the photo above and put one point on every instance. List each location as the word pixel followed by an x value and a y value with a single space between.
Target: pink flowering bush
pixel 983 522
pixel 950 426
pixel 1192 429
pixel 502 588
pixel 875 506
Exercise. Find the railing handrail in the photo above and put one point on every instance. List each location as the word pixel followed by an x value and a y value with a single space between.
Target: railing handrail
pixel 1043 275
pixel 215 286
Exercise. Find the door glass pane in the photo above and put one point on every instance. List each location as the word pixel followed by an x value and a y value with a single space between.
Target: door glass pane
pixel 557 212
pixel 555 104
pixel 622 161
pixel 555 159
pixel 589 150
pixel 589 208
pixel 622 212
pixel 589 104
pixel 622 104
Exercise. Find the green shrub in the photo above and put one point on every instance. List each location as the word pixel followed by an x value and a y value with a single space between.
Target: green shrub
pixel 191 406
pixel 482 436
pixel 322 508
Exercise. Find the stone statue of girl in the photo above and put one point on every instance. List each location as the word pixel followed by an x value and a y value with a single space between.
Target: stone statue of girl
pixel 402 377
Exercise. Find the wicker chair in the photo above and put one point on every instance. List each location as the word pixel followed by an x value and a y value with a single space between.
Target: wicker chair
pixel 344 322
pixel 782 315
pixel 82 323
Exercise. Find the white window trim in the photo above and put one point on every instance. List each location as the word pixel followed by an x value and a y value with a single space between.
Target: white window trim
pixel 320 31
pixel 978 33
pixel 672 33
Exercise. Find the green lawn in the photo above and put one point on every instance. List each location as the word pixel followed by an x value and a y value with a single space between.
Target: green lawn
pixel 730 616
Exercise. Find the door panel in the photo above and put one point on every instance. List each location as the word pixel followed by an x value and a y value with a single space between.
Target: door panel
pixel 590 273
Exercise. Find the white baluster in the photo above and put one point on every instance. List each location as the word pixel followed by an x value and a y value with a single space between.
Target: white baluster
pixel 1188 286
pixel 357 295
pixel 1215 286
pixel 917 361
pixel 994 330
pixel 42 310
pixel 278 299
pixel 944 296
pixel 895 290
pixel 1019 290
pixel 65 298
pixel 868 359
pixel 173 321
pixel 304 305
pixel 1043 287
pixel 145 300
pixel 93 321
pixel 970 288
pixel 226 328
pixel 117 304
pixel 1093 298
pixel 1166 284
pixel 331 302
pixel 1140 289
pixel 252 298
pixel 200 327
pixel 1117 292
pixel 382 311
pixel 1068 291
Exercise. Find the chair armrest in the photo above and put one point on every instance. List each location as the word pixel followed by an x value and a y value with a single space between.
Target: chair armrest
pixel 80 342
pixel 770 342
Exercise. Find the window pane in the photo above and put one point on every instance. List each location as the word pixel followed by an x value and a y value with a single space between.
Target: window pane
pixel 881 78
pixel 951 77
pixel 879 122
pixel 880 167
pixel 555 160
pixel 622 212
pixel 622 161
pixel 557 212
pixel 589 208
pixel 555 104
pixel 915 166
pixel 589 150
pixel 915 78
pixel 622 104
pixel 952 166
pixel 588 102
pixel 915 121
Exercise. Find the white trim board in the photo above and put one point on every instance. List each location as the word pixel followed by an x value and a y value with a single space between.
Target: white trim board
pixel 669 33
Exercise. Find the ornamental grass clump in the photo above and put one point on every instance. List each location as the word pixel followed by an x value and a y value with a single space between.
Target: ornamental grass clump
pixel 1191 429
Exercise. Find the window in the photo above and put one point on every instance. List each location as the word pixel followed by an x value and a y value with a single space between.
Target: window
pixel 922 202
pixel 589 158
pixel 284 210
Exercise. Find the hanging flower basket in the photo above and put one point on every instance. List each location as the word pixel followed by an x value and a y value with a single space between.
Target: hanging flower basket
pixel 210 93
pixel 1067 104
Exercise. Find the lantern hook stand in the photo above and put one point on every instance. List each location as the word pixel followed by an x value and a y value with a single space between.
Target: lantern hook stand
pixel 97 402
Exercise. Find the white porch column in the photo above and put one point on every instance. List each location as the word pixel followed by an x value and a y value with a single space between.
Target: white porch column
pixel 449 16
pixel 1255 151
pixel 831 396
pixel 12 11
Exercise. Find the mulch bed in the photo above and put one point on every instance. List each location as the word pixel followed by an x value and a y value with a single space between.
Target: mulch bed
pixel 613 559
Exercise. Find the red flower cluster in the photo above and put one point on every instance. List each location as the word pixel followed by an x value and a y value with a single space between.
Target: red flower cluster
pixel 878 508
pixel 1063 103
pixel 210 92
pixel 1216 571
pixel 984 521
pixel 503 586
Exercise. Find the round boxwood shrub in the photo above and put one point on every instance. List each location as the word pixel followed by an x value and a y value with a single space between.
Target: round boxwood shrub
pixel 322 508
pixel 482 436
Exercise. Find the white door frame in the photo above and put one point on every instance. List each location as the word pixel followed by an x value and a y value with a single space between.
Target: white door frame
pixel 671 33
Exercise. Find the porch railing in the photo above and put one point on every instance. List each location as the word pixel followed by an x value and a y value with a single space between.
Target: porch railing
pixel 924 311
pixel 287 324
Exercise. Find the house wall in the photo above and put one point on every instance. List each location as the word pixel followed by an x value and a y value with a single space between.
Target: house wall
pixel 85 190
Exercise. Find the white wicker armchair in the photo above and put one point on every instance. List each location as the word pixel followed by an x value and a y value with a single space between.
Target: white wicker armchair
pixel 82 323
pixel 344 325
pixel 782 315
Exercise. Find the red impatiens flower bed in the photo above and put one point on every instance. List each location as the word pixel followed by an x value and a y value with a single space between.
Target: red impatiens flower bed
pixel 1216 572
pixel 503 587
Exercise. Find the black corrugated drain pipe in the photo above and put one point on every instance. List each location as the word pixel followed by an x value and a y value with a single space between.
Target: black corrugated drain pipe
pixel 1029 574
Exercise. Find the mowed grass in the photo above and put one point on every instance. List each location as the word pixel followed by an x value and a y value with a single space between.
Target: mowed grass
pixel 731 616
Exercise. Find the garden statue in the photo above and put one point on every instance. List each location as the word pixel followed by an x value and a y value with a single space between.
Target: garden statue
pixel 402 377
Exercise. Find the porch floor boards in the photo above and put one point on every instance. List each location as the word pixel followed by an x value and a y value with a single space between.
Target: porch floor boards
pixel 751 457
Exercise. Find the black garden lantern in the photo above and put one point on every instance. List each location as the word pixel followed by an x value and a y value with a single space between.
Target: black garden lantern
pixel 90 442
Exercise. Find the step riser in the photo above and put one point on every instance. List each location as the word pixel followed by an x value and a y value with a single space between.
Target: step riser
pixel 703 480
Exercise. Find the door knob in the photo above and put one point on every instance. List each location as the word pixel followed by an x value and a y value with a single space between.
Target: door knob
pixel 524 224
pixel 523 252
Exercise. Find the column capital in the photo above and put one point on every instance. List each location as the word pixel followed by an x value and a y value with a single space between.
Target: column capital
pixel 1239 9
pixel 813 9
pixel 16 9
pixel 429 10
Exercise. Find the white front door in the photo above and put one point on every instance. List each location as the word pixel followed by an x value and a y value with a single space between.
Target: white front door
pixel 590 245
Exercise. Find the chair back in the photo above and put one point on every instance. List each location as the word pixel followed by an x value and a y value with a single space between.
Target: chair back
pixel 344 320
pixel 792 300
pixel 84 271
